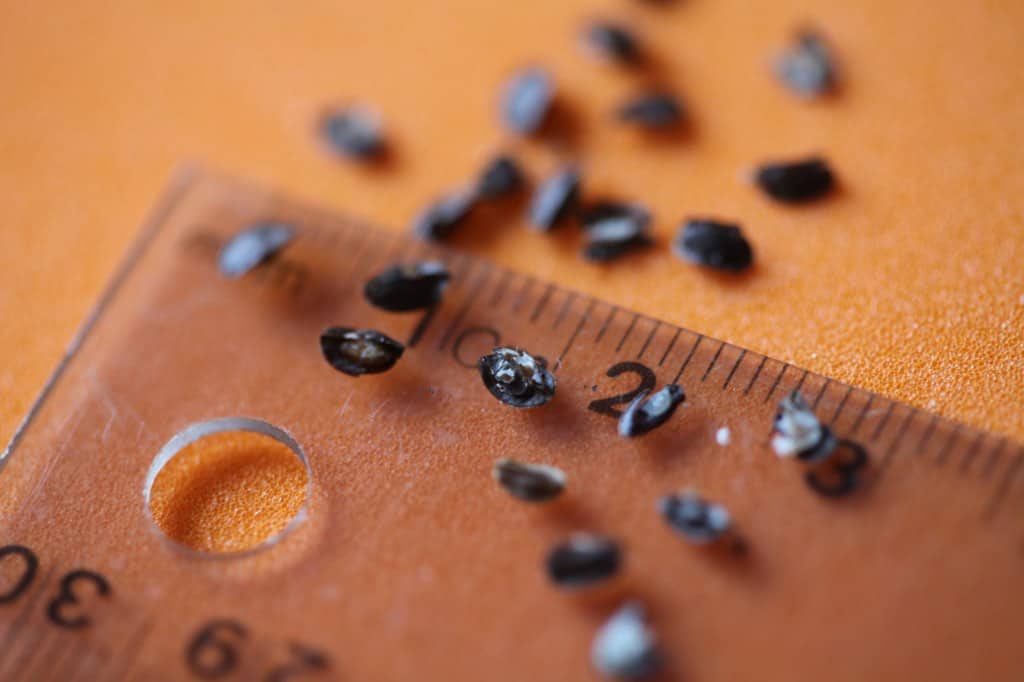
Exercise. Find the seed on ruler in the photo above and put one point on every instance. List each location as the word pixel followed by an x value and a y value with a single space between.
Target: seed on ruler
pixel 654 111
pixel 359 351
pixel 530 482
pixel 699 521
pixel 614 229
pixel 516 378
pixel 613 42
pixel 796 181
pixel 807 67
pixel 408 286
pixel 713 244
pixel 250 247
pixel 625 648
pixel 527 100
pixel 354 132
pixel 797 431
pixel 649 411
pixel 583 560
pixel 555 198
pixel 502 176
pixel 443 216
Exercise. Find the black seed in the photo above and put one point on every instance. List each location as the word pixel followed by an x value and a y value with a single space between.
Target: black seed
pixel 612 41
pixel 555 198
pixel 411 286
pixel 797 431
pixel 807 68
pixel 528 100
pixel 648 412
pixel 625 648
pixel 362 351
pixel 530 482
pixel 501 176
pixel 614 229
pixel 699 521
pixel 253 246
pixel 713 244
pixel 582 560
pixel 796 181
pixel 653 111
pixel 353 132
pixel 441 218
pixel 516 378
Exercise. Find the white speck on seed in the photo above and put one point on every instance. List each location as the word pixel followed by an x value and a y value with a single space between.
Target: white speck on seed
pixel 723 436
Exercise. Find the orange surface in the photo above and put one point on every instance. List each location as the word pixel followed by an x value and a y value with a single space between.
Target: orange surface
pixel 908 282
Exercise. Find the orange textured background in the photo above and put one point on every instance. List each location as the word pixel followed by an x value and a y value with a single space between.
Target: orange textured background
pixel 908 282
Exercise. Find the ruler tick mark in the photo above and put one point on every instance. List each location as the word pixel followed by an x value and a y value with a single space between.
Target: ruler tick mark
pixel 689 356
pixel 821 394
pixel 604 327
pixel 1004 487
pixel 965 462
pixel 993 459
pixel 565 309
pixel 575 333
pixel 885 420
pixel 775 385
pixel 671 345
pixel 629 330
pixel 499 291
pixel 522 294
pixel 654 330
pixel 735 366
pixel 711 364
pixel 842 404
pixel 940 459
pixel 863 413
pixel 891 450
pixel 757 373
pixel 457 320
pixel 932 423
pixel 542 302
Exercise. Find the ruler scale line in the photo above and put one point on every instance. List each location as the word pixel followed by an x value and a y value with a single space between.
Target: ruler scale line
pixel 885 420
pixel 841 405
pixel 1004 487
pixel 463 311
pixel 650 337
pixel 940 459
pixel 629 330
pixel 775 384
pixel 711 364
pixel 579 327
pixel 735 366
pixel 689 356
pixel 757 373
pixel 965 461
pixel 891 450
pixel 993 458
pixel 542 302
pixel 604 327
pixel 569 300
pixel 821 394
pixel 671 345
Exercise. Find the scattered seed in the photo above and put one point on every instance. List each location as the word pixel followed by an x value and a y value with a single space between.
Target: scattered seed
pixel 797 432
pixel 555 198
pixel 362 351
pixel 699 521
pixel 714 245
pixel 516 378
pixel 530 482
pixel 442 217
pixel 807 67
pixel 614 229
pixel 353 132
pixel 723 436
pixel 654 111
pixel 257 244
pixel 649 411
pixel 797 181
pixel 404 287
pixel 583 560
pixel 613 42
pixel 528 100
pixel 501 177
pixel 625 647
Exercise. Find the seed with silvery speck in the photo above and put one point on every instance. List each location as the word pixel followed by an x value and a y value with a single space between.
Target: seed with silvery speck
pixel 625 648
pixel 796 181
pixel 555 198
pixel 649 411
pixel 407 286
pixel 516 378
pixel 353 132
pixel 530 482
pixel 654 111
pixel 583 560
pixel 699 521
pixel 442 217
pixel 797 431
pixel 359 351
pixel 713 244
pixel 807 67
pixel 612 41
pixel 527 100
pixel 501 177
pixel 614 229
pixel 257 244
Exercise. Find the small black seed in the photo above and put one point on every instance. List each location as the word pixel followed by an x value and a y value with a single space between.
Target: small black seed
pixel 582 560
pixel 654 111
pixel 362 351
pixel 699 521
pixel 796 431
pixel 807 68
pixel 796 181
pixel 527 100
pixel 613 42
pixel 625 648
pixel 353 132
pixel 516 378
pixel 502 176
pixel 404 287
pixel 555 198
pixel 253 246
pixel 648 412
pixel 714 245
pixel 614 229
pixel 530 482
pixel 442 217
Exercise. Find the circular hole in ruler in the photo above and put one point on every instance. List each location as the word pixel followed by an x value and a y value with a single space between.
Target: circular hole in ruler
pixel 228 486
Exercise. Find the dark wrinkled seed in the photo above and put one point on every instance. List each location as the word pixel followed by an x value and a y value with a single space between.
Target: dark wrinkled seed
pixel 502 176
pixel 807 68
pixel 516 378
pixel 528 100
pixel 795 181
pixel 442 217
pixel 353 132
pixel 699 521
pixel 614 229
pixel 797 432
pixel 714 245
pixel 404 287
pixel 613 42
pixel 253 246
pixel 625 648
pixel 648 412
pixel 582 560
pixel 530 482
pixel 359 351
pixel 555 198
pixel 653 111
